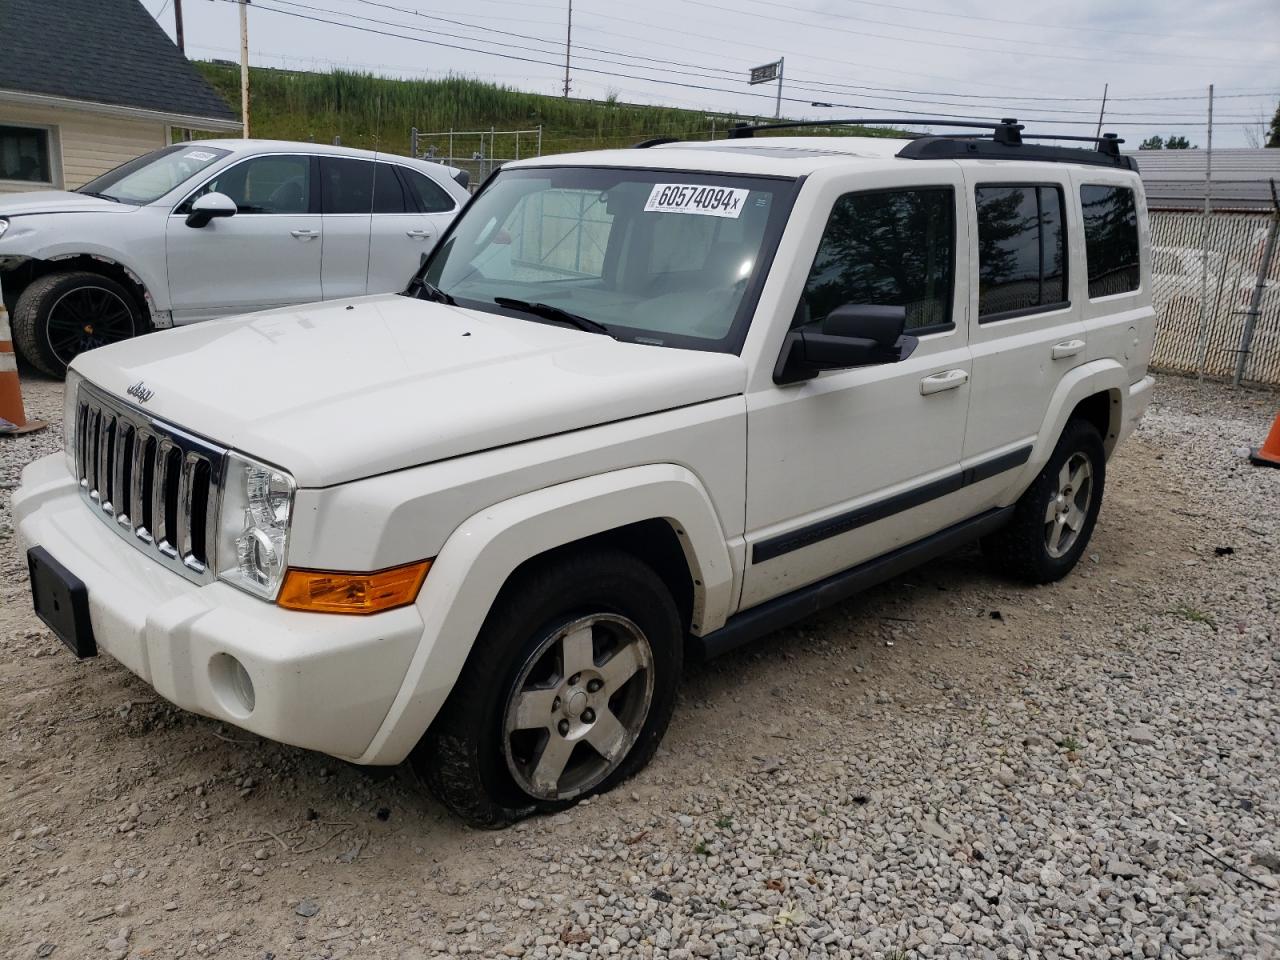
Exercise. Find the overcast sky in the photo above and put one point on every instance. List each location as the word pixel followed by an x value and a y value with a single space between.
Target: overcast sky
pixel 966 58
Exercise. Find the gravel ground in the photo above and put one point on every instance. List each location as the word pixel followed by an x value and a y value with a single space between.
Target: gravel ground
pixel 950 766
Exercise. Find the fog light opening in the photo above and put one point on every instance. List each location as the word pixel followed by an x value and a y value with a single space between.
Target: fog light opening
pixel 232 684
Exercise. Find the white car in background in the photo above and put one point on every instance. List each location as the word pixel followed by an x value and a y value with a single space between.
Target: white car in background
pixel 213 228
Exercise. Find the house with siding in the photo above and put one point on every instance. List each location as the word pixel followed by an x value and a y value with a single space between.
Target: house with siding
pixel 86 85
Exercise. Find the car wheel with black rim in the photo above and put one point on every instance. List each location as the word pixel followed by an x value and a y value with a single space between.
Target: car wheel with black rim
pixel 567 692
pixel 1054 519
pixel 61 315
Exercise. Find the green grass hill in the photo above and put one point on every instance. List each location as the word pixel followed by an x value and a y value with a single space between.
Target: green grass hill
pixel 377 112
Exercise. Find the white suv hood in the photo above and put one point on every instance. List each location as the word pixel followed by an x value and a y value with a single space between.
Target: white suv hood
pixel 337 391
pixel 57 201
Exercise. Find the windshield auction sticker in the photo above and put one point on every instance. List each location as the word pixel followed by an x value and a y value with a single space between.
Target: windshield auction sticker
pixel 200 155
pixel 695 198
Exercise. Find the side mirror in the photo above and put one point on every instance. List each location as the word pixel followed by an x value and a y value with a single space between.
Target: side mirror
pixel 884 325
pixel 852 335
pixel 209 207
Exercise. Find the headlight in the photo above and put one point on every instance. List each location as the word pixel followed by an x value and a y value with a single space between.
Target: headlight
pixel 70 392
pixel 4 225
pixel 253 539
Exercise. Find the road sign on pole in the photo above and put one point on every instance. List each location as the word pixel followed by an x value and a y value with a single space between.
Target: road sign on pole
pixel 766 73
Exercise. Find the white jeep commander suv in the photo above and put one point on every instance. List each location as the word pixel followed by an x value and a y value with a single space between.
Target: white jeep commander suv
pixel 638 405
pixel 209 229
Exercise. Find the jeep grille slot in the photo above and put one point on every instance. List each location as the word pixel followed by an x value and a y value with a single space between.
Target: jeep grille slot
pixel 153 483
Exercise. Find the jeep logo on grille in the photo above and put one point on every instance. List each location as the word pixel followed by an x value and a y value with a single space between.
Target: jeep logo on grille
pixel 141 391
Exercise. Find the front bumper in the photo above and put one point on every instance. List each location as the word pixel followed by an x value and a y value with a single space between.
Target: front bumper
pixel 323 682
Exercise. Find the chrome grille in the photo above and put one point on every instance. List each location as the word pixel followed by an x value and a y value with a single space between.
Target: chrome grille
pixel 154 484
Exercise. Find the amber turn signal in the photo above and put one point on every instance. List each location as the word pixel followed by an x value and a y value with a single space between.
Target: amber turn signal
pixel 325 591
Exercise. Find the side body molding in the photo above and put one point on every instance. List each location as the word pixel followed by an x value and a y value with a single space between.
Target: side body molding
pixel 483 551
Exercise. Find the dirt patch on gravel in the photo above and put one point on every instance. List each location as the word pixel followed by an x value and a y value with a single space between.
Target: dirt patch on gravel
pixel 950 765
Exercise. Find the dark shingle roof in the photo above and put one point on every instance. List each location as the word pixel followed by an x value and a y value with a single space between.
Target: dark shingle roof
pixel 103 51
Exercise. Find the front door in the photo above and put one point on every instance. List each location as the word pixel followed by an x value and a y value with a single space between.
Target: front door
pixel 266 255
pixel 853 463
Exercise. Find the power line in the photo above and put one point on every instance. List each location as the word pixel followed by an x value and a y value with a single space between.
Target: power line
pixel 1052 26
pixel 808 54
pixel 650 79
pixel 938 43
pixel 672 66
pixel 813 86
pixel 949 33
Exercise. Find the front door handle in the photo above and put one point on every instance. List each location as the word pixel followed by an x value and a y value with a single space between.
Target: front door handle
pixel 946 380
pixel 1067 348
pixel 304 234
pixel 417 234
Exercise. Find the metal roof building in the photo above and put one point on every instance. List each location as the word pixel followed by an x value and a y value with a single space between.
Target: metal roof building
pixel 1174 179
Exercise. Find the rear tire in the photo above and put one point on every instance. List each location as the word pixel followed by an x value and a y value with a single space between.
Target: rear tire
pixel 60 315
pixel 1054 519
pixel 567 692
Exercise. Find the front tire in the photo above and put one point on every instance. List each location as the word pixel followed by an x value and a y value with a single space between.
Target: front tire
pixel 61 315
pixel 567 692
pixel 1054 519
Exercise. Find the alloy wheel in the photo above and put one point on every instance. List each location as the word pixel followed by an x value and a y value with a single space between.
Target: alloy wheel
pixel 578 706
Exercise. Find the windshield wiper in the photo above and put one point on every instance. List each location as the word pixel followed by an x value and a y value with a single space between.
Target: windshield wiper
pixel 426 290
pixel 548 312
pixel 100 196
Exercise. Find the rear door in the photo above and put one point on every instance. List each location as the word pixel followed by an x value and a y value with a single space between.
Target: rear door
pixel 346 198
pixel 1026 330
pixel 400 234
pixel 266 255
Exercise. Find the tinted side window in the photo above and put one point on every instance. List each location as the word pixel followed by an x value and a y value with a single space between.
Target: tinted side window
pixel 273 184
pixel 1022 253
pixel 388 194
pixel 346 185
pixel 890 248
pixel 431 197
pixel 1111 239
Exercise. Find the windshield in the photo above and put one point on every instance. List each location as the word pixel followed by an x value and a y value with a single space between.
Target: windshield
pixel 151 176
pixel 661 257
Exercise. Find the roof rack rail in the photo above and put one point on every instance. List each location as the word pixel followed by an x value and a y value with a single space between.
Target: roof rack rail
pixel 1006 131
pixel 1006 141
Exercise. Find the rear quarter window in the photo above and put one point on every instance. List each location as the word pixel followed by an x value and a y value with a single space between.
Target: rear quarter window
pixel 1110 239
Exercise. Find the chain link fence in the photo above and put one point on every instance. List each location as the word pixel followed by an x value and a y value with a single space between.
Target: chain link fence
pixel 479 152
pixel 1197 293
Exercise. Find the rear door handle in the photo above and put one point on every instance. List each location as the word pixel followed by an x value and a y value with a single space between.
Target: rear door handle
pixel 417 234
pixel 946 380
pixel 304 234
pixel 1067 348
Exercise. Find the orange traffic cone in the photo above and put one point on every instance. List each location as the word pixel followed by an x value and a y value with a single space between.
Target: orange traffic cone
pixel 12 418
pixel 1268 455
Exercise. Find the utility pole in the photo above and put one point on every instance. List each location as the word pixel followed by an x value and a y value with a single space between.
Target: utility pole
pixel 777 109
pixel 1204 248
pixel 244 66
pixel 568 45
pixel 177 26
pixel 1098 132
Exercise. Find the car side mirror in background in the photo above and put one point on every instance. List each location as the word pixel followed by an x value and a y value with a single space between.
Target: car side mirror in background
pixel 209 207
pixel 852 335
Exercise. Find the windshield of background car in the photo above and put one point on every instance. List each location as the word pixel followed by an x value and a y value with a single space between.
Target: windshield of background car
pixel 672 258
pixel 151 176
